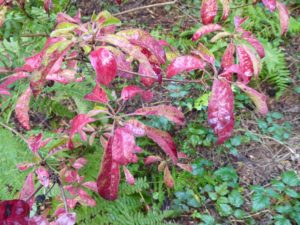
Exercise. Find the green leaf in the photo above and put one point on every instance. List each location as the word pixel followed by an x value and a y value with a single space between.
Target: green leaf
pixel 222 189
pixel 290 178
pixel 224 209
pixel 260 201
pixel 235 198
pixel 202 101
pixel 284 209
pixel 226 174
pixel 213 196
pixel 236 141
pixel 63 28
pixel 239 214
pixel 276 115
pixel 207 219
pixel 281 220
pixel 292 193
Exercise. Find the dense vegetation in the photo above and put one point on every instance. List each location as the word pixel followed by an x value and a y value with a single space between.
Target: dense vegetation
pixel 193 121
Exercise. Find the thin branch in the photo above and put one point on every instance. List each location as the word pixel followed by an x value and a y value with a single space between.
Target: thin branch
pixel 34 193
pixel 146 7
pixel 14 131
pixel 63 195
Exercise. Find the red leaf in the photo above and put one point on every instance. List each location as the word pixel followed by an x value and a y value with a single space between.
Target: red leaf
pixel 152 159
pixel 35 142
pixel 147 96
pixel 130 92
pixel 238 21
pixel 185 167
pixel 123 147
pixel 38 220
pixel 14 212
pixel 145 40
pixel 245 63
pixel 254 42
pixel 149 75
pixel 22 109
pixel 43 176
pixel 119 2
pixel 220 110
pixel 66 219
pixel 13 78
pixel 104 63
pixel 169 112
pixel 123 64
pixel 28 189
pixel 228 60
pixel 4 91
pixel 168 179
pixel 163 140
pixel 24 166
pixel 64 76
pixel 109 176
pixel 204 54
pixel 184 64
pixel 206 30
pixel 208 11
pixel 226 8
pixel 283 16
pixel 48 5
pixel 270 4
pixel 85 198
pixel 79 163
pixel 97 95
pixel 91 185
pixel 254 59
pixel 71 176
pixel 135 127
pixel 129 178
pixel 259 99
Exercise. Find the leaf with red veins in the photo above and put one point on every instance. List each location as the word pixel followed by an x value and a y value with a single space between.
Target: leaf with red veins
pixel 185 167
pixel 38 220
pixel 228 60
pixel 163 140
pixel 152 159
pixel 48 5
pixel 24 166
pixel 145 40
pixel 97 95
pixel 204 54
pixel 13 212
pixel 208 11
pixel 90 185
pixel 226 8
pixel 185 63
pixel 270 4
pixel 85 198
pixel 130 92
pixel 246 64
pixel 109 175
pixel 169 112
pixel 255 43
pixel 77 124
pixel 128 176
pixel 135 127
pixel 28 189
pixel 66 219
pixel 220 110
pixel 258 99
pixel 168 179
pixel 43 176
pixel 123 147
pixel 22 109
pixel 284 17
pixel 206 29
pixel 105 65
pixel 13 78
pixel 79 163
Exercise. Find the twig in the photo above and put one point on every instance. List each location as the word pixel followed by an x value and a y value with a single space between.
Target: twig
pixel 14 131
pixel 146 7
pixel 34 193
pixel 63 194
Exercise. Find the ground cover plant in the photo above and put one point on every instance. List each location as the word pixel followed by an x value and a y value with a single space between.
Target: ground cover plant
pixel 88 102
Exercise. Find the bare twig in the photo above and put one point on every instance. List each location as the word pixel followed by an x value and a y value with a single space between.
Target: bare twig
pixel 34 193
pixel 14 131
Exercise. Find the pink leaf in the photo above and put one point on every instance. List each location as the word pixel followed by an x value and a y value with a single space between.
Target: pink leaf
pixel 22 109
pixel 79 163
pixel 64 76
pixel 147 96
pixel 85 198
pixel 228 60
pixel 35 142
pixel 152 159
pixel 226 8
pixel 238 21
pixel 283 16
pixel 14 212
pixel 148 72
pixel 220 110
pixel 130 92
pixel 28 189
pixel 163 140
pixel 182 155
pixel 168 179
pixel 129 178
pixel 208 11
pixel 135 127
pixel 4 91
pixel 104 63
pixel 13 78
pixel 123 147
pixel 123 64
pixel 91 185
pixel 206 29
pixel 48 5
pixel 71 176
pixel 184 64
pixel 185 167
pixel 255 61
pixel 109 175
pixel 24 166
pixel 77 124
pixel 169 112
pixel 43 176
pixel 259 99
pixel 270 4
pixel 38 220
pixel 245 63
pixel 254 42
pixel 204 54
pixel 66 219
pixel 97 95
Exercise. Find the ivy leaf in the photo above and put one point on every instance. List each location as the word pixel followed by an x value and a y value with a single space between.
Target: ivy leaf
pixel 220 110
pixel 66 219
pixel 109 175
pixel 169 112
pixel 22 109
pixel 260 201
pixel 97 95
pixel 104 63
pixel 129 178
pixel 206 29
pixel 283 16
pixel 208 11
pixel 290 178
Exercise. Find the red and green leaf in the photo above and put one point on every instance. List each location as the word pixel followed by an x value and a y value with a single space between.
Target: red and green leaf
pixel 226 8
pixel 168 179
pixel 246 64
pixel 206 29
pixel 283 17
pixel 97 95
pixel 208 11
pixel 22 109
